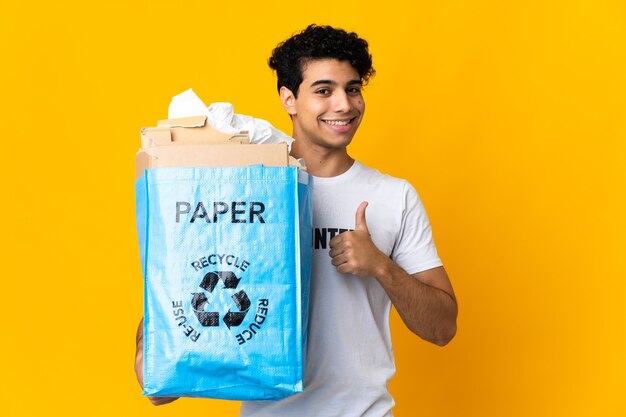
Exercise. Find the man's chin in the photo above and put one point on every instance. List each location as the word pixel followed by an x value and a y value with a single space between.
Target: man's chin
pixel 337 144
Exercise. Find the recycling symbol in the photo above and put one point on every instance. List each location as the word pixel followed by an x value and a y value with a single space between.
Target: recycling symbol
pixel 200 302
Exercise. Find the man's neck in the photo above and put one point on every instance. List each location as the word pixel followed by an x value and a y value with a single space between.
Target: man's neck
pixel 322 162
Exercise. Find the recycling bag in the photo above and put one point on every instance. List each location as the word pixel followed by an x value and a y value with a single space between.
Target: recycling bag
pixel 226 258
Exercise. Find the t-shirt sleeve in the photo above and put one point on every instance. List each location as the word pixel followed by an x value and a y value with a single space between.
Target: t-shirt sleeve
pixel 414 249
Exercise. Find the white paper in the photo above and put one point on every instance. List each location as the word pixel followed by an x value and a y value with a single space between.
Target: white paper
pixel 222 117
pixel 186 104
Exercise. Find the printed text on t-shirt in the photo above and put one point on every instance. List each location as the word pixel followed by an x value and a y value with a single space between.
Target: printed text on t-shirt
pixel 322 236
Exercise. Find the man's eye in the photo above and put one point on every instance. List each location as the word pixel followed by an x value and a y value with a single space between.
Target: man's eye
pixel 322 91
pixel 354 90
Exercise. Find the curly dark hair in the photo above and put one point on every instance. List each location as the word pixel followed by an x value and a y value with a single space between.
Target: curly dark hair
pixel 319 42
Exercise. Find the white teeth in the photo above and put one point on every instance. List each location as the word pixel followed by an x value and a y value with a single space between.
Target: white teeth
pixel 337 122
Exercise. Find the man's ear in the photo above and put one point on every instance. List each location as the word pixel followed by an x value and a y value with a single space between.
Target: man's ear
pixel 288 99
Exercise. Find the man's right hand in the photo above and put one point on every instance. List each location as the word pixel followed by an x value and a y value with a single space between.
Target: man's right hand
pixel 139 368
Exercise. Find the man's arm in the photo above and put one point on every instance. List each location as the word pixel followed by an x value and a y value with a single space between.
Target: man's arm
pixel 426 309
pixel 139 367
pixel 425 300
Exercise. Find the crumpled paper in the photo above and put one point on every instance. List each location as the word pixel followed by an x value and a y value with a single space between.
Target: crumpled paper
pixel 222 117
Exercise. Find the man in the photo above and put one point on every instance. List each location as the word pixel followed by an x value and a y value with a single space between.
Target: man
pixel 389 257
pixel 372 239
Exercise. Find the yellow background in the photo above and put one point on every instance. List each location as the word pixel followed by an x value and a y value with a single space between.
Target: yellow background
pixel 507 116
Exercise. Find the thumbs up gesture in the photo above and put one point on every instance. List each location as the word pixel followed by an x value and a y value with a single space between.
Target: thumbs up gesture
pixel 354 252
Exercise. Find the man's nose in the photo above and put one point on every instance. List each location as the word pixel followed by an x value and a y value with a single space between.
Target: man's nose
pixel 341 102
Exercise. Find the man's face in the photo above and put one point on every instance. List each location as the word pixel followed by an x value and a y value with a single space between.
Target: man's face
pixel 329 106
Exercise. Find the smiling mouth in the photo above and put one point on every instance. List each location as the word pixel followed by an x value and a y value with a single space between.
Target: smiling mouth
pixel 344 122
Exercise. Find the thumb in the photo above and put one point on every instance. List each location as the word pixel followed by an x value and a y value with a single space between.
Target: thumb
pixel 360 223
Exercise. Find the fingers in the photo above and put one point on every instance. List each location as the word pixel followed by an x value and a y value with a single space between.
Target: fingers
pixel 139 367
pixel 345 269
pixel 360 222
pixel 139 353
pixel 335 250
pixel 162 400
pixel 139 336
pixel 339 260
pixel 343 264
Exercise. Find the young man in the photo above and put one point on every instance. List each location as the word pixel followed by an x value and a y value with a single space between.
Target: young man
pixel 372 239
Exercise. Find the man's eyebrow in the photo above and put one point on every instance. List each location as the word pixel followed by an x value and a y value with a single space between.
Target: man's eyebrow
pixel 334 83
pixel 319 82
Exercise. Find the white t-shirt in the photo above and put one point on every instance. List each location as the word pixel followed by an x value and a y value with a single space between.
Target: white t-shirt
pixel 350 358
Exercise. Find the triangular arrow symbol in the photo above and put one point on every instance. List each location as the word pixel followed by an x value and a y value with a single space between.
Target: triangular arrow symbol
pixel 234 318
pixel 210 281
pixel 241 299
pixel 229 279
